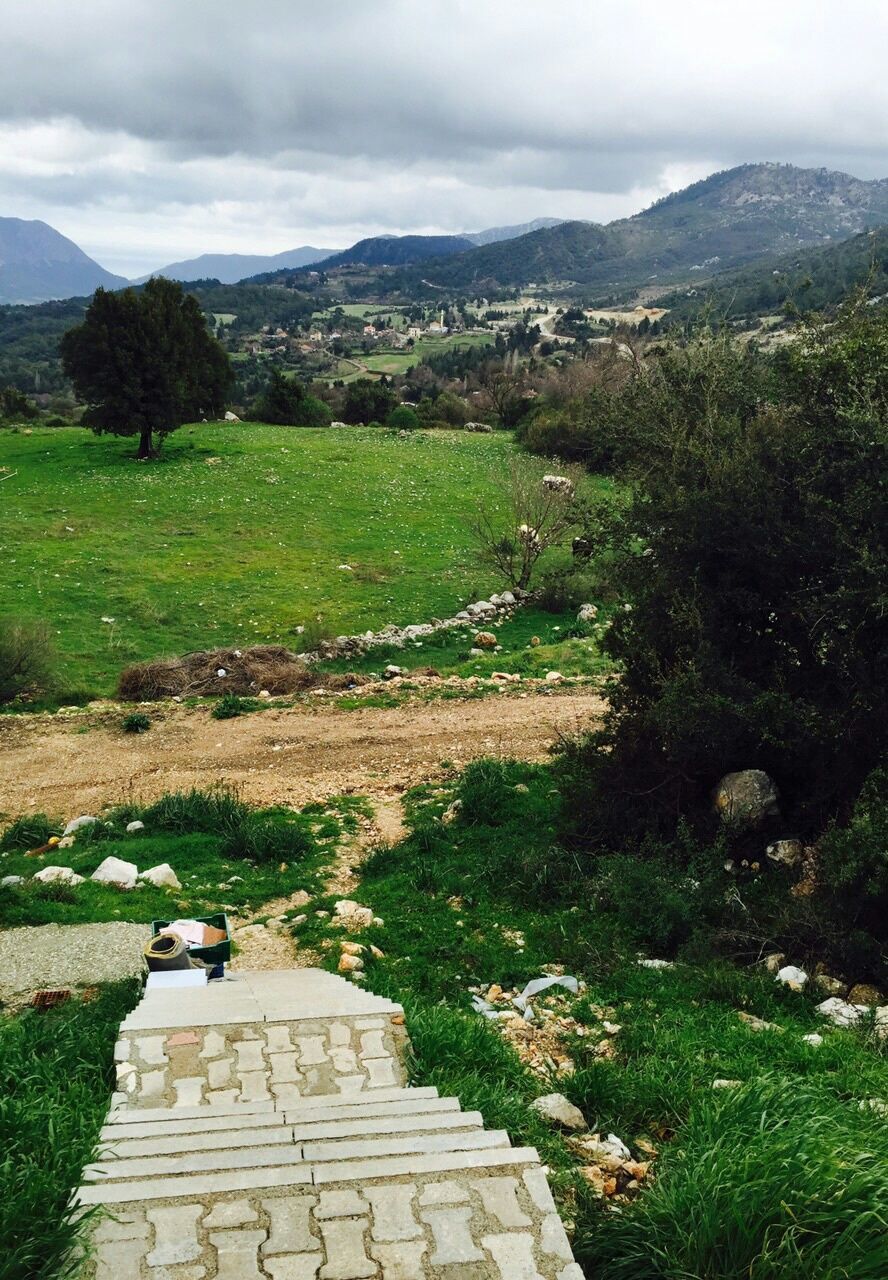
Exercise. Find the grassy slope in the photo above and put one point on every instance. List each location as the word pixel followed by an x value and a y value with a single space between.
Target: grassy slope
pixel 55 1078
pixel 187 554
pixel 785 1176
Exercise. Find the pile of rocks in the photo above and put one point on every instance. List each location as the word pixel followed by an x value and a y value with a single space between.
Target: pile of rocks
pixel 498 606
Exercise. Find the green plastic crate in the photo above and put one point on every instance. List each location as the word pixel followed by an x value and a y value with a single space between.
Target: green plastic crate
pixel 219 952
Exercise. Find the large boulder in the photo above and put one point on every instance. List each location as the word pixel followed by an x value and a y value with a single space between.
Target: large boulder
pixel 162 876
pixel 85 820
pixel 747 798
pixel 486 640
pixel 117 872
pixel 231 417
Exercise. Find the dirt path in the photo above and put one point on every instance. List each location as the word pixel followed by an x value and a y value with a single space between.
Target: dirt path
pixel 289 756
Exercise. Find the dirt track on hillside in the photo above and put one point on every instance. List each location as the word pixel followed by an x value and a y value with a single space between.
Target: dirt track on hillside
pixel 288 756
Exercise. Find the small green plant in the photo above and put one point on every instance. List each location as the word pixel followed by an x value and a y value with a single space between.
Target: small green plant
pixel 136 722
pixel 231 705
pixel 29 832
pixel 26 658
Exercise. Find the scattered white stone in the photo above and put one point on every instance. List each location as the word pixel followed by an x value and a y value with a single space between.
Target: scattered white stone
pixel 791 976
pixel 162 876
pixel 352 914
pixel 349 963
pixel 587 613
pixel 608 1152
pixel 117 872
pixel 58 875
pixel 85 820
pixel 231 417
pixel 11 880
pixel 656 964
pixel 554 677
pixel 134 826
pixel 726 1084
pixel 557 1109
pixel 840 1012
pixel 558 484
pixel 814 1039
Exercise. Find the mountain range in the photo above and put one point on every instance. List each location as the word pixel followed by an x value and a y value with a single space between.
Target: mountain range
pixel 37 263
pixel 228 268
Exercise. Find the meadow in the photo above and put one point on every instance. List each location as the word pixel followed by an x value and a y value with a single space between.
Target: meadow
pixel 237 535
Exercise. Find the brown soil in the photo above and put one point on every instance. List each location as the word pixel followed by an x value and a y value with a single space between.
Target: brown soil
pixel 289 756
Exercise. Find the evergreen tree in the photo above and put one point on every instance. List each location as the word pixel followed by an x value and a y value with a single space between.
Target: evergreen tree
pixel 145 362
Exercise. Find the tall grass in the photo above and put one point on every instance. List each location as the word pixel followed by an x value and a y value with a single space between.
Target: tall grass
pixel 55 1081
pixel 778 1180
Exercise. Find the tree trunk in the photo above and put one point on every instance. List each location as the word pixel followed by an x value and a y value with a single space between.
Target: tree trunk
pixel 145 450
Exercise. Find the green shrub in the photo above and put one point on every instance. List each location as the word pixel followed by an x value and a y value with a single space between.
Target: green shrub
pixel 27 657
pixel 231 705
pixel 136 722
pixel 402 418
pixel 268 836
pixel 29 832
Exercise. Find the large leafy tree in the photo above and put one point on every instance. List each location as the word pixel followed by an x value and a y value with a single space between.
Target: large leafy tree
pixel 145 362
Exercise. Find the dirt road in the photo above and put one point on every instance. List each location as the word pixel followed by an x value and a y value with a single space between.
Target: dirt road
pixel 289 756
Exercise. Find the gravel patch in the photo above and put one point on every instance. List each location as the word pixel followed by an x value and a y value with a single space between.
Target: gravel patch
pixel 68 955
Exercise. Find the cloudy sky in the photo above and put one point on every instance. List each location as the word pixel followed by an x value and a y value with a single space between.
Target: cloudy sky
pixel 154 130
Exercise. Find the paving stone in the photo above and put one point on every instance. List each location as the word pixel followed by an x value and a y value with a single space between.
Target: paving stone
pixel 191 1271
pixel 122 1226
pixel 253 1086
pixel 368 1024
pixel 151 1050
pixel 116 1258
pixel 121 1050
pixel 283 1068
pixel 249 1056
pixel 402 1261
pixel 553 1237
pixel 513 1254
pixel 344 1060
pixel 222 1097
pixel 350 1084
pixel 290 1229
pixel 180 1038
pixel 277 1037
pixel 219 1072
pixel 453 1236
pixel 152 1084
pixel 344 1246
pixel 372 1045
pixel 500 1199
pixel 299 1266
pixel 175 1233
pixel 540 1192
pixel 443 1193
pixel 286 1094
pixel 236 1257
pixel 312 1050
pixel 340 1204
pixel 571 1272
pixel 340 1035
pixel 189 1091
pixel 230 1213
pixel 381 1072
pixel 198 1184
pixel 213 1045
pixel 392 1212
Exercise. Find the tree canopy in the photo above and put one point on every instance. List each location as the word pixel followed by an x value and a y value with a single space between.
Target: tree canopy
pixel 145 362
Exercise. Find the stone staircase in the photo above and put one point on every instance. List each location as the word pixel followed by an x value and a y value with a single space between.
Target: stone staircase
pixel 262 1128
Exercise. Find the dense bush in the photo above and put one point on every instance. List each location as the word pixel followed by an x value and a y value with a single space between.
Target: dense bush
pixel 403 418
pixel 26 658
pixel 751 559
pixel 368 401
pixel 29 832
pixel 287 403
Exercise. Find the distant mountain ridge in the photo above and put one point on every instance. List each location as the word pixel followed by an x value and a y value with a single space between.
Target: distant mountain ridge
pixel 494 234
pixel 229 268
pixel 730 219
pixel 38 264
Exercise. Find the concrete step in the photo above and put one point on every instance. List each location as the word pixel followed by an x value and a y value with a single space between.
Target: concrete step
pixel 253 1157
pixel 304 1173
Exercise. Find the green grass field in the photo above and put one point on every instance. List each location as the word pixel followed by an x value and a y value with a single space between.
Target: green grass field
pixel 236 536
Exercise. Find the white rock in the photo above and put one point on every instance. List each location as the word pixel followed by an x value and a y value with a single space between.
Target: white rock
pixel 557 1109
pixel 726 1084
pixel 507 598
pixel 116 871
pixel 58 875
pixel 86 820
pixel 655 964
pixel 554 677
pixel 791 976
pixel 231 417
pixel 840 1012
pixel 609 1152
pixel 162 876
pixel 10 880
pixel 352 914
pixel 813 1039
pixel 135 826
pixel 587 613
pixel 788 852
